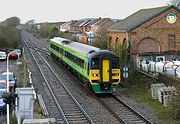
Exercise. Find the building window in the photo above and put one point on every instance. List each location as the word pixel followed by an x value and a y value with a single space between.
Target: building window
pixel 124 41
pixel 116 41
pixel 171 42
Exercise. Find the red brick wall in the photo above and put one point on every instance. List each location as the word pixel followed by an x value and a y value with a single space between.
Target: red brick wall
pixel 117 37
pixel 157 29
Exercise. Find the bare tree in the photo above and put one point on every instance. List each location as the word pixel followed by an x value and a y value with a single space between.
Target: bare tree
pixel 101 38
pixel 30 22
pixel 44 29
pixel 176 3
pixel 123 52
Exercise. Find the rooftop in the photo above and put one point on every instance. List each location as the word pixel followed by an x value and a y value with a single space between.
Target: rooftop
pixel 140 17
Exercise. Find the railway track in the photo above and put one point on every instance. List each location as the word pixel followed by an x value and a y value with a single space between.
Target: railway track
pixel 61 99
pixel 41 46
pixel 122 111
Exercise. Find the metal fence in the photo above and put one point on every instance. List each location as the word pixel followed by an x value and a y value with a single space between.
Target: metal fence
pixel 166 67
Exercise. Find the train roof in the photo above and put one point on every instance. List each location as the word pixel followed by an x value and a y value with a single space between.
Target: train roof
pixel 83 48
pixel 102 52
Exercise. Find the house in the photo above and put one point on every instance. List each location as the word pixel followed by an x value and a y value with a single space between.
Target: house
pixel 86 25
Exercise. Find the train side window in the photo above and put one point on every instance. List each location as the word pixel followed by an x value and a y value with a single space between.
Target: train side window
pixel 88 68
pixel 54 47
pixel 60 50
pixel 66 54
pixel 82 63
pixel 85 64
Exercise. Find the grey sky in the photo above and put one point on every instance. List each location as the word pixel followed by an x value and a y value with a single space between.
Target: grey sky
pixel 65 10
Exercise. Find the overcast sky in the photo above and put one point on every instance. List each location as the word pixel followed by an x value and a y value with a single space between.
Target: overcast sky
pixel 65 10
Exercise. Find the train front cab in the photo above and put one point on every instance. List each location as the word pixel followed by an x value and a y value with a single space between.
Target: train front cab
pixel 104 73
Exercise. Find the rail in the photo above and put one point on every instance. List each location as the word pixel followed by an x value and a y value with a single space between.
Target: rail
pixel 66 118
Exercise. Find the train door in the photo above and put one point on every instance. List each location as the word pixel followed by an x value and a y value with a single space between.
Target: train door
pixel 105 70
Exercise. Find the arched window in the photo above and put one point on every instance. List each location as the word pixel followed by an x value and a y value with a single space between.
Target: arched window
pixel 116 41
pixel 124 40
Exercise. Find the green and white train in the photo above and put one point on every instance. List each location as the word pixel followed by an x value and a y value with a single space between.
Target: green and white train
pixel 100 68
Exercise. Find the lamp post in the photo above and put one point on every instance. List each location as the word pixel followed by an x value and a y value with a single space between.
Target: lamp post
pixel 7 87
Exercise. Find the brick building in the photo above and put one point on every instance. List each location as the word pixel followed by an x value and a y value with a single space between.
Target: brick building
pixel 150 33
pixel 86 25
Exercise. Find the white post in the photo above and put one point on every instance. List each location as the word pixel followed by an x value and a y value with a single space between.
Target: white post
pixel 8 87
pixel 18 59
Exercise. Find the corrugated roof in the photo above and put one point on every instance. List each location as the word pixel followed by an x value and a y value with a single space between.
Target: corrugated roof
pixel 139 18
pixel 77 23
pixel 91 22
pixel 69 23
pixel 65 24
pixel 85 22
pixel 100 21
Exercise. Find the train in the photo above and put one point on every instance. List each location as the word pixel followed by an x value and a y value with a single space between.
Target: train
pixel 98 68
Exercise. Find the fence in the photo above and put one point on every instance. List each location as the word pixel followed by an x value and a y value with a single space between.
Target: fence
pixel 166 67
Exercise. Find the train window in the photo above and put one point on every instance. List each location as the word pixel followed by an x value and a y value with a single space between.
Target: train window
pixel 76 60
pixel 65 53
pixel 115 63
pixel 82 63
pixel 95 63
pixel 54 47
pixel 85 64
pixel 60 50
pixel 88 68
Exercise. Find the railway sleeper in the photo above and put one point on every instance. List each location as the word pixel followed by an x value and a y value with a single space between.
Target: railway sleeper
pixel 131 118
pixel 136 122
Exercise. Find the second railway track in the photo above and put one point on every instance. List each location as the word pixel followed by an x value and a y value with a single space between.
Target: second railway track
pixel 122 111
pixel 119 110
pixel 70 109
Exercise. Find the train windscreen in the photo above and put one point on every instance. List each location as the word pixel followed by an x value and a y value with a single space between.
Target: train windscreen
pixel 115 63
pixel 95 63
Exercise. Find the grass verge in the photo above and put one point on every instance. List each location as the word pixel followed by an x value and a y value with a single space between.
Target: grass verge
pixel 139 87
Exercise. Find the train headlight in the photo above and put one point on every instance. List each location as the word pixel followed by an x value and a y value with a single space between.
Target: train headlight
pixel 94 74
pixel 115 74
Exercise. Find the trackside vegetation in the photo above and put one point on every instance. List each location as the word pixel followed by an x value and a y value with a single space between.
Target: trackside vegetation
pixel 9 35
pixel 139 86
pixel 49 31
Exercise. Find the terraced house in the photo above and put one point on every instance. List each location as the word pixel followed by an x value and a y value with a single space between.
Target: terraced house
pixel 86 25
pixel 150 33
pixel 87 28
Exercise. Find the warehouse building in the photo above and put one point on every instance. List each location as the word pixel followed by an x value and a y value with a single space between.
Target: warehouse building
pixel 152 33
